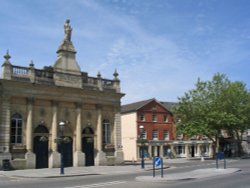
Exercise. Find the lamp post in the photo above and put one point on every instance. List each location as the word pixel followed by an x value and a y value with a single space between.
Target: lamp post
pixel 141 127
pixel 61 128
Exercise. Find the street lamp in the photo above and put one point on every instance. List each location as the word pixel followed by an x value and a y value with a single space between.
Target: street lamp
pixel 61 128
pixel 141 127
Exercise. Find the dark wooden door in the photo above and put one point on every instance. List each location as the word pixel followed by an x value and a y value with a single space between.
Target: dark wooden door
pixel 88 149
pixel 40 148
pixel 67 152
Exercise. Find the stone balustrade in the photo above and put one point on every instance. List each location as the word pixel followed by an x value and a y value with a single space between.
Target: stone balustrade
pixel 47 76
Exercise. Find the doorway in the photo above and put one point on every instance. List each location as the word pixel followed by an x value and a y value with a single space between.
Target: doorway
pixel 88 146
pixel 67 152
pixel 40 146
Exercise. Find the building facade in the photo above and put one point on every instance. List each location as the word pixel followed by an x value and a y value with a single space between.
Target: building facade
pixel 158 137
pixel 34 102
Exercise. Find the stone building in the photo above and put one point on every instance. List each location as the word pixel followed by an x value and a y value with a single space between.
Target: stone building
pixel 34 101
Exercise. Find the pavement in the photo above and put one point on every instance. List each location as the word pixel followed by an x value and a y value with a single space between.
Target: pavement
pixel 195 174
pixel 125 169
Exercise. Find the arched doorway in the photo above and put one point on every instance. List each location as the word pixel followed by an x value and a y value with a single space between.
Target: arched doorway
pixel 88 146
pixel 67 152
pixel 40 146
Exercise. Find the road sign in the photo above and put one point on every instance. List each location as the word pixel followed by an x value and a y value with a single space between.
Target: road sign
pixel 220 155
pixel 157 161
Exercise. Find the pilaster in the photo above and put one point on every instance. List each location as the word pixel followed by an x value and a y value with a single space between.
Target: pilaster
pixel 30 156
pixel 79 156
pixel 5 129
pixel 29 128
pixel 100 158
pixel 54 158
pixel 5 125
pixel 118 137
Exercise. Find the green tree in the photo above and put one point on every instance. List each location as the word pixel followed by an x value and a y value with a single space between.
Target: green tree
pixel 235 101
pixel 213 106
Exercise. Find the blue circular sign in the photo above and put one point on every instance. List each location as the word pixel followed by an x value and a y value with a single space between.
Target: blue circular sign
pixel 157 161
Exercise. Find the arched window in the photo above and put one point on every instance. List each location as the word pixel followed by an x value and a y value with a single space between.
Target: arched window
pixel 106 132
pixel 16 129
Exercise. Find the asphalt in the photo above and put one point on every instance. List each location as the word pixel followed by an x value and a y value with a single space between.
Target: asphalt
pixel 112 170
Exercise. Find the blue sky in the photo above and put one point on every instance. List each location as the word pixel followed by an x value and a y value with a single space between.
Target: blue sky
pixel 159 47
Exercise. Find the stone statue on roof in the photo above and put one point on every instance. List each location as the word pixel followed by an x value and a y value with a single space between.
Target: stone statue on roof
pixel 67 30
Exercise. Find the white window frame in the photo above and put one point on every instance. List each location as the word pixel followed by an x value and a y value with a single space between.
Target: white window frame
pixel 154 118
pixel 106 131
pixel 144 134
pixel 16 129
pixel 166 134
pixel 166 118
pixel 155 134
pixel 142 117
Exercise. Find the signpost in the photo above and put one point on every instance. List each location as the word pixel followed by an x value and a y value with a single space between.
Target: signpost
pixel 220 156
pixel 157 161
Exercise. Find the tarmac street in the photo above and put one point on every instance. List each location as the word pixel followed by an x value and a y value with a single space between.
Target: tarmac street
pixel 109 170
pixel 177 172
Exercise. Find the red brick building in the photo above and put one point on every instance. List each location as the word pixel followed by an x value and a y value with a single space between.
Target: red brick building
pixel 158 136
pixel 158 128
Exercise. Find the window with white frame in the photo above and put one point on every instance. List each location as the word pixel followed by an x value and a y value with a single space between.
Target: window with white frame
pixel 141 117
pixel 154 117
pixel 166 135
pixel 155 134
pixel 106 132
pixel 16 129
pixel 166 118
pixel 144 134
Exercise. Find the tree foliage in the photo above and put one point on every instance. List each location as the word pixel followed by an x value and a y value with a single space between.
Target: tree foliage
pixel 212 106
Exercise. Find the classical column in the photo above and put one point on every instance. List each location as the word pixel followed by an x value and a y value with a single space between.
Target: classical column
pixel 5 128
pixel 155 150
pixel 187 151
pixel 79 127
pixel 161 151
pixel 150 150
pixel 54 160
pixel 118 137
pixel 30 156
pixel 173 150
pixel 54 127
pixel 101 156
pixel 198 150
pixel 210 150
pixel 79 156
pixel 29 129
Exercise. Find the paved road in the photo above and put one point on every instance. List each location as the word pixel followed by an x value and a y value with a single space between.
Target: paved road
pixel 119 177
